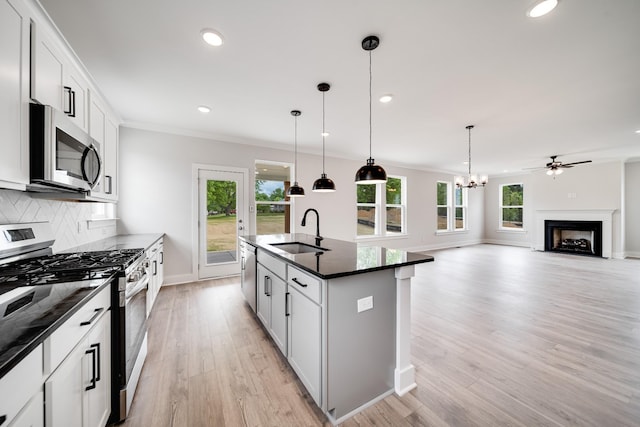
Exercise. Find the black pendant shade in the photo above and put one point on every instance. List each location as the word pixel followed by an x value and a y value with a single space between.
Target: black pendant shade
pixel 295 190
pixel 323 184
pixel 370 173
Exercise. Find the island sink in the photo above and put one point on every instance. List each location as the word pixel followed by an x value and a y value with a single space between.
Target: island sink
pixel 298 248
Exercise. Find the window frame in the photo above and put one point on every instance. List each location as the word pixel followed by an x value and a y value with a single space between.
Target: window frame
pixel 451 207
pixel 287 201
pixel 502 206
pixel 380 205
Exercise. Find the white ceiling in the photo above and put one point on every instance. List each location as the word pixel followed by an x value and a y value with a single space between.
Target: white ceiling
pixel 567 83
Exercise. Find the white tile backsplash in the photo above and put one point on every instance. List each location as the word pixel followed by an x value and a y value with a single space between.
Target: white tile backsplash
pixel 68 219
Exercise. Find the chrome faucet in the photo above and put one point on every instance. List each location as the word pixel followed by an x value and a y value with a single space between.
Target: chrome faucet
pixel 304 222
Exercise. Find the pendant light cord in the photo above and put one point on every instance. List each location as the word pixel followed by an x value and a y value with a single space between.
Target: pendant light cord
pixel 295 145
pixel 469 151
pixel 370 125
pixel 323 133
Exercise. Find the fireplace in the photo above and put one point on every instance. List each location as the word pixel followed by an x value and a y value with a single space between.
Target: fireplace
pixel 575 237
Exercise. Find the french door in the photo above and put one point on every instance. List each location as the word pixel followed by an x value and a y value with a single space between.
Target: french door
pixel 221 220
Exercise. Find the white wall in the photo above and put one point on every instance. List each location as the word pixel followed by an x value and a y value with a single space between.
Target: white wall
pixel 156 194
pixel 585 187
pixel 69 220
pixel 632 207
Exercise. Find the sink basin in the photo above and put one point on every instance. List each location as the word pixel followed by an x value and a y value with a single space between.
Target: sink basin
pixel 298 248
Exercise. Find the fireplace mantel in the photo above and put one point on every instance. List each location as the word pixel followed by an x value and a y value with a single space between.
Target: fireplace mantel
pixel 604 215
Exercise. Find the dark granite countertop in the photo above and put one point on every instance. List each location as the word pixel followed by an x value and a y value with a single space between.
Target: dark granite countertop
pixel 340 258
pixel 121 241
pixel 51 305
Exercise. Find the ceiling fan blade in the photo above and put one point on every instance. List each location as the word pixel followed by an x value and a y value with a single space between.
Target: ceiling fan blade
pixel 535 168
pixel 577 163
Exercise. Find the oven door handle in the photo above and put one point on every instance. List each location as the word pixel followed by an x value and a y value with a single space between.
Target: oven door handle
pixel 141 286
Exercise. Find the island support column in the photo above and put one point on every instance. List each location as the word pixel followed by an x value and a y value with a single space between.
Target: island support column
pixel 405 371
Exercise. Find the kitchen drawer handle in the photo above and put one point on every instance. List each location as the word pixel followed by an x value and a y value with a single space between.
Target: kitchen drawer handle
pixel 92 351
pixel 295 279
pixel 96 313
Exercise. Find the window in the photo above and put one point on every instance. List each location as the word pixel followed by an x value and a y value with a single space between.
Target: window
pixel 460 205
pixel 511 206
pixel 273 208
pixel 443 205
pixel 371 198
pixel 451 205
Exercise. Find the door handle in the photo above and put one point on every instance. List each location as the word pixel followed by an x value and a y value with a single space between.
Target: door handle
pixel 286 304
pixel 92 351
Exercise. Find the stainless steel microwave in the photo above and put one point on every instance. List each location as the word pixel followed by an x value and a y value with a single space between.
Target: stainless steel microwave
pixel 63 156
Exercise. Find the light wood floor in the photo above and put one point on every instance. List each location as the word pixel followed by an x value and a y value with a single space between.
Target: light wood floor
pixel 502 336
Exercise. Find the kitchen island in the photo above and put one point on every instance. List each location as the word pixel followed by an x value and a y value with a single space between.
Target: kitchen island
pixel 340 313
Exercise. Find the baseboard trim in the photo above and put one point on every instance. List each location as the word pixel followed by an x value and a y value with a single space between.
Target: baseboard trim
pixel 179 279
pixel 508 243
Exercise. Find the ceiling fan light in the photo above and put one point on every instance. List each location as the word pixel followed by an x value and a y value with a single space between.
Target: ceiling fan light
pixel 559 171
pixel 550 172
pixel 541 8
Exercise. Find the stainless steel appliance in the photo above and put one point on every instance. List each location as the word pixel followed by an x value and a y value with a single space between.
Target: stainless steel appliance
pixel 248 266
pixel 129 303
pixel 27 262
pixel 63 156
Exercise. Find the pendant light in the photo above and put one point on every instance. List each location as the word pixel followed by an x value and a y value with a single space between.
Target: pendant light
pixel 472 180
pixel 323 184
pixel 370 173
pixel 295 190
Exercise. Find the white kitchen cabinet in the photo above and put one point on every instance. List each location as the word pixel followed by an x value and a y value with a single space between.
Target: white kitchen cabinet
pixel 77 394
pixel 76 97
pixel 32 415
pixel 47 69
pixel 14 87
pixel 272 297
pixel 156 260
pixel 19 386
pixel 104 129
pixel 305 338
pixel 55 79
pixel 264 297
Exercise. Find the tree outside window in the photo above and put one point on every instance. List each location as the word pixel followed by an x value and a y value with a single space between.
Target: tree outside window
pixel 381 208
pixel 442 205
pixel 511 206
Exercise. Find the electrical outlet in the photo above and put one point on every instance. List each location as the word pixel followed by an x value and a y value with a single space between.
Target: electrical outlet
pixel 365 304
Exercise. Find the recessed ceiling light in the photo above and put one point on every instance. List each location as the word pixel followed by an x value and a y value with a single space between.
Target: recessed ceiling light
pixel 212 37
pixel 638 131
pixel 386 98
pixel 542 8
pixel 204 109
pixel 325 134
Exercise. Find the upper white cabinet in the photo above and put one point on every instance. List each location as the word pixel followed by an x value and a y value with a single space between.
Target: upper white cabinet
pixel 55 79
pixel 14 87
pixel 104 129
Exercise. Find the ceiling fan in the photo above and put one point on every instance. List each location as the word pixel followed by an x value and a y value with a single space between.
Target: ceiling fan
pixel 555 167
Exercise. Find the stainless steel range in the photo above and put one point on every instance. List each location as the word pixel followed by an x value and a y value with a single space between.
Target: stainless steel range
pixel 27 261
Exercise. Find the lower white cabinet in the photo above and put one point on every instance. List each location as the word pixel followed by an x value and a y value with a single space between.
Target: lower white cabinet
pixel 19 387
pixel 77 394
pixel 305 339
pixel 32 415
pixel 156 260
pixel 271 303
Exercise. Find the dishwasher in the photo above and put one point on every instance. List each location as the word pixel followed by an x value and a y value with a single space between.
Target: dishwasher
pixel 248 278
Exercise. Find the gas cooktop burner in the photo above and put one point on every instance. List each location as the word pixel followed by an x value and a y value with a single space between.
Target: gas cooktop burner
pixel 68 267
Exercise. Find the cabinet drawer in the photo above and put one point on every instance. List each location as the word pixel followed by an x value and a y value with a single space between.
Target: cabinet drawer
pixel 67 336
pixel 306 283
pixel 274 264
pixel 20 384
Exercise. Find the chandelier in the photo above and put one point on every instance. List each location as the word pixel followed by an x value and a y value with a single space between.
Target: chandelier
pixel 472 180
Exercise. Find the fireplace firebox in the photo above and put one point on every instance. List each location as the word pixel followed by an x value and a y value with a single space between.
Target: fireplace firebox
pixel 575 237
